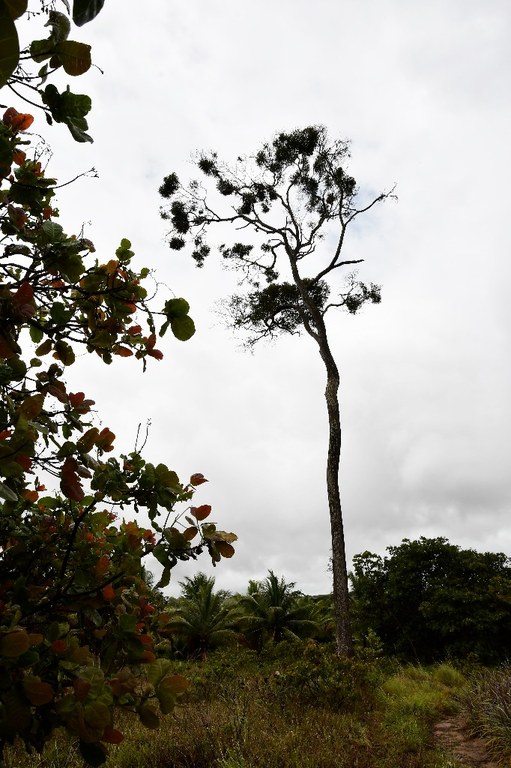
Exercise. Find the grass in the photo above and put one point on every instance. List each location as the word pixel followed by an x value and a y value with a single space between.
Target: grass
pixel 294 710
pixel 488 708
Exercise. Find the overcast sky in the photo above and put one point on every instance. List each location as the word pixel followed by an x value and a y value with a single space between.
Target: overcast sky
pixel 422 90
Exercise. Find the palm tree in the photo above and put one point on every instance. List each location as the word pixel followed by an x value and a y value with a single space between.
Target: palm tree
pixel 272 609
pixel 200 618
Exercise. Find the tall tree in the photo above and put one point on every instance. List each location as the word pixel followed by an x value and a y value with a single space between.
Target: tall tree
pixel 296 200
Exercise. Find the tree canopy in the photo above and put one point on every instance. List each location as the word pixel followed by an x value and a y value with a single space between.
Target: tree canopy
pixel 429 599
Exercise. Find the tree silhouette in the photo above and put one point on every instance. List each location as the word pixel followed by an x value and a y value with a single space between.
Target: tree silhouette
pixel 295 200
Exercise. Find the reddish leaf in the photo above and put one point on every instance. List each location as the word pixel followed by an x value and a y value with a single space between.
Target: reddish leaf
pixel 112 735
pixel 31 496
pixel 25 462
pixel 8 347
pixel 225 549
pixel 88 440
pixel 14 644
pixel 70 484
pixel 18 121
pixel 197 479
pixel 37 692
pixel 202 512
pixel 17 216
pixel 79 403
pixel 81 688
pixel 190 533
pixel 58 390
pixel 122 351
pixel 108 592
pixel 105 440
pixel 102 566
pixel 19 156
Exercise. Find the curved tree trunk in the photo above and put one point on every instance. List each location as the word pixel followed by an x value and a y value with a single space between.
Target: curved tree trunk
pixel 343 636
pixel 315 327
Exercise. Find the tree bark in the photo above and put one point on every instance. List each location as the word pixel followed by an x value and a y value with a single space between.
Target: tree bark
pixel 316 328
pixel 343 637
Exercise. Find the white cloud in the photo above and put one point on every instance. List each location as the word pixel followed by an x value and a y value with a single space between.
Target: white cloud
pixel 421 89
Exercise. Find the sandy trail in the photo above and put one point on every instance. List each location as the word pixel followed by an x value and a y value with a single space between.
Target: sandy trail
pixel 454 736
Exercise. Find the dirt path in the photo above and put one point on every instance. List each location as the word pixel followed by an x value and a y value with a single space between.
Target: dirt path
pixel 454 736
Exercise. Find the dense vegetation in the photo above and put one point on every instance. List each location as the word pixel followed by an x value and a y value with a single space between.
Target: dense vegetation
pixel 300 706
pixel 295 706
pixel 77 625
pixel 430 599
pixel 89 648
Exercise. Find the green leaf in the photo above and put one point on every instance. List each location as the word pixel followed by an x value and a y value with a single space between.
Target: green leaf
pixel 40 50
pixel 59 314
pixel 183 328
pixel 96 678
pixel 167 477
pixel 148 716
pixel 69 108
pixel 86 10
pixel 36 334
pixel 161 554
pixel 5 153
pixel 64 352
pixel 176 308
pixel 75 57
pixel 44 348
pixel 97 714
pixel 158 670
pixel 6 493
pixel 165 578
pixel 127 622
pixel 53 232
pixel 9 44
pixel 168 691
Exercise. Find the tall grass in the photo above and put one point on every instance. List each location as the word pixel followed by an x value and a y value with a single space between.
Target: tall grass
pixel 294 709
pixel 488 707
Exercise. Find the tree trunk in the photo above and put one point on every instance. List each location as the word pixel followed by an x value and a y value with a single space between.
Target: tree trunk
pixel 344 641
pixel 315 327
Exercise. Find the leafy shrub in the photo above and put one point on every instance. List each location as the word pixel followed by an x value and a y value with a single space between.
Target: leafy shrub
pixel 320 676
